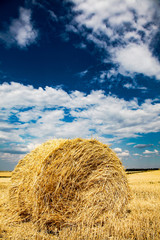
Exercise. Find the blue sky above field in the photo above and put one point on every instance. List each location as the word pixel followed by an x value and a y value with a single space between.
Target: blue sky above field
pixel 80 68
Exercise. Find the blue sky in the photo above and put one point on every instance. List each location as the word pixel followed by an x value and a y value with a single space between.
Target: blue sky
pixel 80 68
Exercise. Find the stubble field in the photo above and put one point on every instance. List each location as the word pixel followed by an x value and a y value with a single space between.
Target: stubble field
pixel 140 221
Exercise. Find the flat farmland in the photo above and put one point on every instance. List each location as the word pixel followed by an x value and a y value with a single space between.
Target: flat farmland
pixel 5 174
pixel 141 220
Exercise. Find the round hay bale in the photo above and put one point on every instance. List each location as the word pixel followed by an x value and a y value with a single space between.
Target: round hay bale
pixel 67 182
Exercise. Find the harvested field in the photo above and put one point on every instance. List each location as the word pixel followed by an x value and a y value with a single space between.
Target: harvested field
pixel 140 221
pixel 5 174
pixel 5 179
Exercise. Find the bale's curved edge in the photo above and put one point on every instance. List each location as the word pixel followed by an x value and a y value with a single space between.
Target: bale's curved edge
pixel 67 182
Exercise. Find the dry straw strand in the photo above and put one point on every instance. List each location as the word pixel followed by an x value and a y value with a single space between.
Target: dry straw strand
pixel 66 182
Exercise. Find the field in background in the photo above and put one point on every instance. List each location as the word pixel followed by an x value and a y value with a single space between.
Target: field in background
pixel 5 174
pixel 141 220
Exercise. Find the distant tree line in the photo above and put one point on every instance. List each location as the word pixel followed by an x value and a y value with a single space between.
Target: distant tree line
pixel 140 169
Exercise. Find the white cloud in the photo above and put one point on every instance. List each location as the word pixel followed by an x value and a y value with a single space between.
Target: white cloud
pixel 53 16
pixel 117 150
pixel 71 28
pixel 138 59
pixel 47 113
pixel 21 31
pixel 102 77
pixel 129 86
pixel 134 86
pixel 150 152
pixel 11 157
pixel 131 143
pixel 83 73
pixel 124 29
pixel 136 154
pixel 123 154
pixel 120 18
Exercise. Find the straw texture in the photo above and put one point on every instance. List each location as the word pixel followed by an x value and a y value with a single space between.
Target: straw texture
pixel 67 182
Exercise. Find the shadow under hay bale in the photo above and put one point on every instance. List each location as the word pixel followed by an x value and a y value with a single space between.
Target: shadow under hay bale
pixel 68 182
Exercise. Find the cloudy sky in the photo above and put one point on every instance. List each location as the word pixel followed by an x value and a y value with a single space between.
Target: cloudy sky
pixel 80 68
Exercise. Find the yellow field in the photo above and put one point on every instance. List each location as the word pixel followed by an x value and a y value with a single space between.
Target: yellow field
pixel 5 174
pixel 140 221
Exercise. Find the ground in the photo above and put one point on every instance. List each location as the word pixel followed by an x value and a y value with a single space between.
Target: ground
pixel 141 220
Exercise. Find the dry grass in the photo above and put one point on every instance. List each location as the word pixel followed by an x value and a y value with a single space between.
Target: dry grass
pixel 5 174
pixel 141 220
pixel 68 183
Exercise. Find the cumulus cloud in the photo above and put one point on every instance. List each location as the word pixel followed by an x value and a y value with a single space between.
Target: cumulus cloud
pixel 21 31
pixel 117 150
pixel 121 153
pixel 151 152
pixel 124 29
pixel 32 115
pixel 138 58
